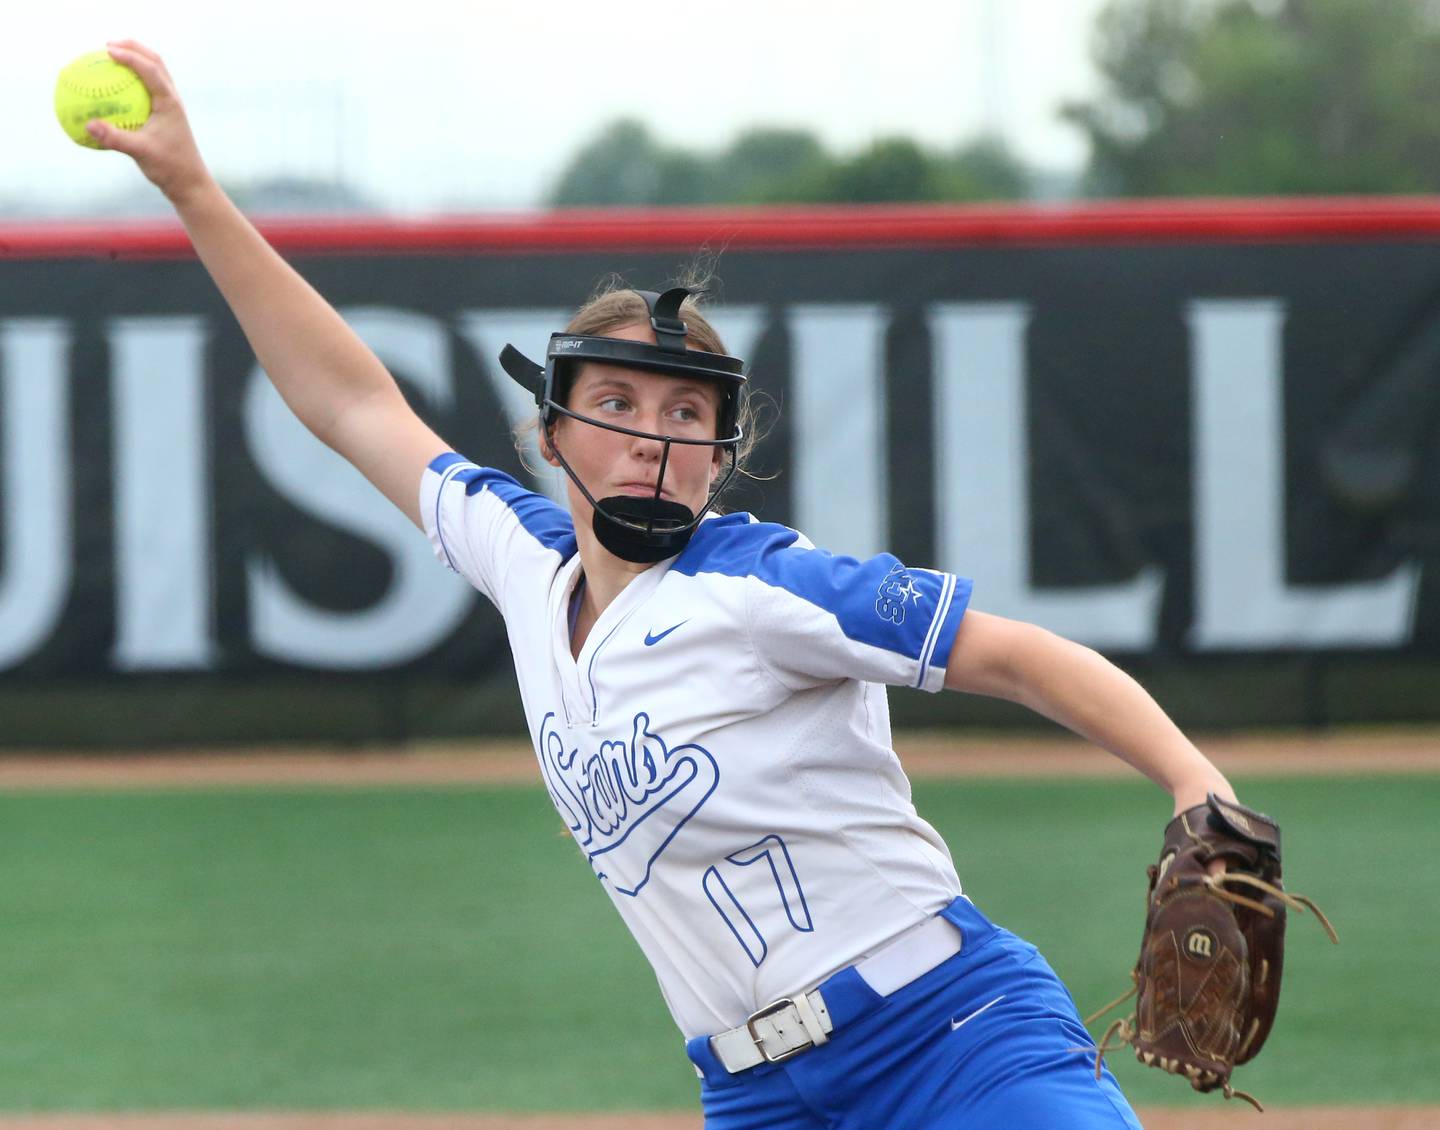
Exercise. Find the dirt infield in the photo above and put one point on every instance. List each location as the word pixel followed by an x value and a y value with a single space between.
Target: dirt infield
pixel 512 763
pixel 925 755
pixel 1297 1118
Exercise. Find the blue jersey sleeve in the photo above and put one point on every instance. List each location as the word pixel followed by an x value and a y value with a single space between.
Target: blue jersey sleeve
pixel 815 616
pixel 481 522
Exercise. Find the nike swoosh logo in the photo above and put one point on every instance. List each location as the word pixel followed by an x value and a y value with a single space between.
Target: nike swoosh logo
pixel 954 1024
pixel 651 641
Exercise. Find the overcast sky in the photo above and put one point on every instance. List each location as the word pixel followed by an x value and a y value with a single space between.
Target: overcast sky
pixel 429 105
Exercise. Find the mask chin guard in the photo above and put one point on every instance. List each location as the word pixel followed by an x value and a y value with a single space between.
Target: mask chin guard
pixel 638 528
pixel 643 530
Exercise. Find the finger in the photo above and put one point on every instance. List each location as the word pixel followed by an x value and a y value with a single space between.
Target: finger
pixel 136 46
pixel 145 52
pixel 131 48
pixel 108 136
pixel 151 71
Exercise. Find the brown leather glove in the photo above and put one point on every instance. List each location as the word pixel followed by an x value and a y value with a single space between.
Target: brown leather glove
pixel 1208 978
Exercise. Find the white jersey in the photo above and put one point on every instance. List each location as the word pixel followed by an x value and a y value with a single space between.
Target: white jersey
pixel 720 750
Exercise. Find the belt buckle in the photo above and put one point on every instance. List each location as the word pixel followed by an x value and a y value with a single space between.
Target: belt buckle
pixel 770 1010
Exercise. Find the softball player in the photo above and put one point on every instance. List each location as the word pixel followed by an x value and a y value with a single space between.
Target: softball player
pixel 706 697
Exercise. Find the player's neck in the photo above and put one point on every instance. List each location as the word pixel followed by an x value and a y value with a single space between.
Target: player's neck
pixel 606 577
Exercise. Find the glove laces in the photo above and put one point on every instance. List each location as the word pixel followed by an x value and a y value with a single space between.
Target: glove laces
pixel 1220 885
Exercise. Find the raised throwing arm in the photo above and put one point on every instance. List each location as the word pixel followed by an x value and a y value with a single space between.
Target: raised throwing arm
pixel 330 379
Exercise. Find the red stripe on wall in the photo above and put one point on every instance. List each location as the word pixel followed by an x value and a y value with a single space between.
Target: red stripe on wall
pixel 888 226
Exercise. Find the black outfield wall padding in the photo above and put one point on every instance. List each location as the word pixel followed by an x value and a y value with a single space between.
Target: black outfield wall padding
pixel 1200 438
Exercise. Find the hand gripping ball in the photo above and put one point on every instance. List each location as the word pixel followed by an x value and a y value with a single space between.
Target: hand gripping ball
pixel 95 86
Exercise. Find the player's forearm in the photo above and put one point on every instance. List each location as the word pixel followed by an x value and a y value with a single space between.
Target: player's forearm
pixel 1089 695
pixel 317 362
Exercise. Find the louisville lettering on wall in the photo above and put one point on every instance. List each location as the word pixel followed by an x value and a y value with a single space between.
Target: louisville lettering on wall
pixel 1204 440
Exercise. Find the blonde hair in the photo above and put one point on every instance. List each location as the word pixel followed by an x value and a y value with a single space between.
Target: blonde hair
pixel 616 305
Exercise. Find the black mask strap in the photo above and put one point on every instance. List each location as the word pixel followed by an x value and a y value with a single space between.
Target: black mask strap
pixel 665 320
pixel 524 372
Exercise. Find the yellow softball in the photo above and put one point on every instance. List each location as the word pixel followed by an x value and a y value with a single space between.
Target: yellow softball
pixel 96 86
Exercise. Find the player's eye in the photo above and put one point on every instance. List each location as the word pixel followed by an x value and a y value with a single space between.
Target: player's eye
pixel 614 404
pixel 685 413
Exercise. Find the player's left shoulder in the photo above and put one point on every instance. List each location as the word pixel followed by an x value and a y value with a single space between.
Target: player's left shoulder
pixel 734 545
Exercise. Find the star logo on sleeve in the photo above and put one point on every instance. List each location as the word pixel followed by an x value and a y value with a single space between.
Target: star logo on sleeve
pixel 909 590
pixel 896 594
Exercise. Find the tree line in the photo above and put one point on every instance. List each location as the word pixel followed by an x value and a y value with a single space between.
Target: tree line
pixel 1196 97
pixel 627 164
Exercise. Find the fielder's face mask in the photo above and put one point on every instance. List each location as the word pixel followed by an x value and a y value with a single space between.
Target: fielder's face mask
pixel 638 528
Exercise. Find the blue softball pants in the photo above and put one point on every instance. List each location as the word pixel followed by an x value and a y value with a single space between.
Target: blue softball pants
pixel 982 1041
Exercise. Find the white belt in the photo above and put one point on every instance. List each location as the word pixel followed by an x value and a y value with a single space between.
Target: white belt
pixel 791 1025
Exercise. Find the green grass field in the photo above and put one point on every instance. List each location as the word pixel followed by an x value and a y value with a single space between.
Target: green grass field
pixel 430 949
